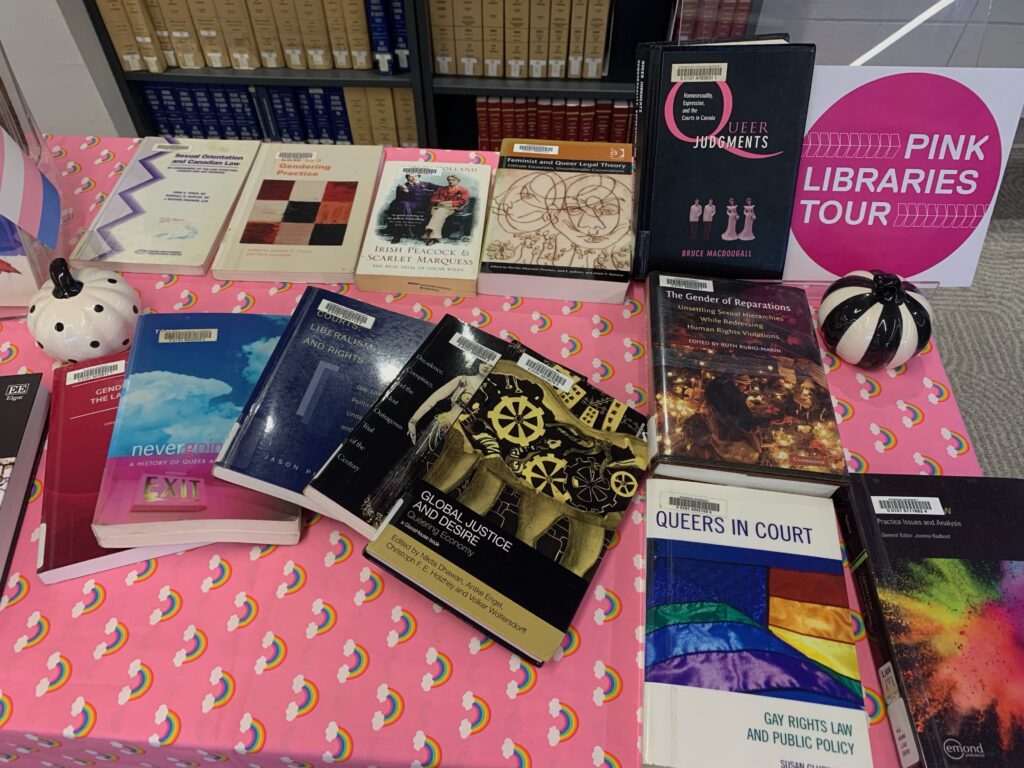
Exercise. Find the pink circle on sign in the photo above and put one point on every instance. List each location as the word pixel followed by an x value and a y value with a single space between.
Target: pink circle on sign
pixel 896 175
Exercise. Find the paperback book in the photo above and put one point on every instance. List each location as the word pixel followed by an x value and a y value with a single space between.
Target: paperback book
pixel 301 215
pixel 410 416
pixel 335 357
pixel 719 133
pixel 740 395
pixel 426 227
pixel 939 562
pixel 84 403
pixel 169 207
pixel 23 404
pixel 559 222
pixel 749 655
pixel 187 378
pixel 505 517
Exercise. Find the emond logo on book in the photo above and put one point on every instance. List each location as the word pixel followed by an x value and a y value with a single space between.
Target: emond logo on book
pixel 956 751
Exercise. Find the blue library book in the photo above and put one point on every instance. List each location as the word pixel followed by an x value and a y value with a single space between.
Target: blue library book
pixel 321 115
pixel 399 34
pixel 310 133
pixel 380 36
pixel 264 113
pixel 340 129
pixel 334 359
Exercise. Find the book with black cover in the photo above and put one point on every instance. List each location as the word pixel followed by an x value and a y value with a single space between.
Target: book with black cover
pixel 506 517
pixel 410 416
pixel 740 393
pixel 939 562
pixel 334 359
pixel 23 405
pixel 719 134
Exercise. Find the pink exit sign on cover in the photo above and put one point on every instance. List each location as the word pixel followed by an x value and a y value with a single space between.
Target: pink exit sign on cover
pixel 169 493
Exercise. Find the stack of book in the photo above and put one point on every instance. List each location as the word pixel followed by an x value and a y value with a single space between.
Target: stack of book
pixel 248 34
pixel 706 19
pixel 499 118
pixel 313 115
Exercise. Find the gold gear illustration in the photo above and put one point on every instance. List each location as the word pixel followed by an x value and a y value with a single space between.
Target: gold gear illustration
pixel 546 473
pixel 517 420
pixel 623 483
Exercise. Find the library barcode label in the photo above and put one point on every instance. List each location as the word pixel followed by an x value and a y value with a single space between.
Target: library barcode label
pixel 693 504
pixel 418 169
pixel 907 505
pixel 699 73
pixel 95 372
pixel 478 351
pixel 687 284
pixel 171 147
pixel 186 335
pixel 556 379
pixel 295 156
pixel 338 312
pixel 537 149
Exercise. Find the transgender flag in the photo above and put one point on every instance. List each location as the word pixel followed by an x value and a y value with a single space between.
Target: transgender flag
pixel 27 198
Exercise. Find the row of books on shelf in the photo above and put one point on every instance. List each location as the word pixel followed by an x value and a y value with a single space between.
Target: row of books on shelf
pixel 520 38
pixel 561 119
pixel 706 19
pixel 313 115
pixel 153 35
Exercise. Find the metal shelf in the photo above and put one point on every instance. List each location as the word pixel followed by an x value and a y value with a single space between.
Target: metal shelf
pixel 557 88
pixel 277 76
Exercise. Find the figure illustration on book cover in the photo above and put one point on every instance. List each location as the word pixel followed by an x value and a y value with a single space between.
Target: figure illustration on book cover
pixel 577 220
pixel 702 217
pixel 961 626
pixel 429 205
pixel 772 625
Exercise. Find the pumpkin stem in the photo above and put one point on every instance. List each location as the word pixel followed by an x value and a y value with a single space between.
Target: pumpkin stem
pixel 64 283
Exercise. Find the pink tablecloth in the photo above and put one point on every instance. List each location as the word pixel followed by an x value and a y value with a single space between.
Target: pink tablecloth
pixel 306 654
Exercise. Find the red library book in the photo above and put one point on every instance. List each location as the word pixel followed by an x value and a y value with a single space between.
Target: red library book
pixel 519 116
pixel 508 118
pixel 686 20
pixel 543 119
pixel 726 15
pixel 619 122
pixel 531 118
pixel 85 400
pixel 603 120
pixel 558 119
pixel 707 15
pixel 740 19
pixel 587 108
pixel 572 119
pixel 483 135
pixel 494 122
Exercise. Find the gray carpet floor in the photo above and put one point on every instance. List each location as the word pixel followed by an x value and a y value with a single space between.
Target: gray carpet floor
pixel 980 334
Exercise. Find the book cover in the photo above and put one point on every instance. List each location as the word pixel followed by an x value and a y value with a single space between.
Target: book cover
pixel 23 405
pixel 169 207
pixel 507 516
pixel 333 360
pixel 301 215
pixel 422 401
pixel 749 654
pixel 740 393
pixel 723 133
pixel 84 403
pixel 939 563
pixel 426 225
pixel 187 378
pixel 559 222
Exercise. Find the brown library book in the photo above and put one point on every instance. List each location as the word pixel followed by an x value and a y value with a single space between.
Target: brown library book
pixel 143 29
pixel 211 37
pixel 287 20
pixel 184 37
pixel 261 13
pixel 315 38
pixel 163 34
pixel 381 105
pixel 337 34
pixel 121 36
pixel 358 30
pixel 405 117
pixel 358 108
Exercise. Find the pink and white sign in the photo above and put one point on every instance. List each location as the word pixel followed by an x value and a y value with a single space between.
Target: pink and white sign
pixel 900 170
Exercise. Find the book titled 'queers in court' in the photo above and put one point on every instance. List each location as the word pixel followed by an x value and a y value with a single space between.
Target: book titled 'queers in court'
pixel 301 215
pixel 335 357
pixel 939 563
pixel 559 221
pixel 506 518
pixel 188 377
pixel 749 655
pixel 719 131
pixel 740 393
pixel 169 207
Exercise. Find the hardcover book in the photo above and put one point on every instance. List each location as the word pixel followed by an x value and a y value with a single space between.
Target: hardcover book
pixel 169 207
pixel 505 518
pixel 188 376
pixel 335 357
pixel 426 226
pixel 411 415
pixel 301 215
pixel 939 562
pixel 740 393
pixel 749 655
pixel 559 222
pixel 84 403
pixel 719 134
pixel 23 404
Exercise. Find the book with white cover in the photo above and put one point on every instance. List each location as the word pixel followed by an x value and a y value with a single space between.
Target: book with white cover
pixel 749 656
pixel 169 207
pixel 302 214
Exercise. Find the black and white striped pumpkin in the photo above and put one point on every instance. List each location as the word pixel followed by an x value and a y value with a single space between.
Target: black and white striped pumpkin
pixel 874 319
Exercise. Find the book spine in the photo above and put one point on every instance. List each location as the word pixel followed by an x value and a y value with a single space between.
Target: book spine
pixel 144 31
pixel 286 113
pixel 321 114
pixel 163 33
pixel 726 15
pixel 290 34
pixel 587 108
pixel 497 130
pixel 243 102
pixel 316 41
pixel 577 39
pixel 558 37
pixel 359 115
pixel 519 117
pixel 207 113
pixel 704 24
pixel 156 110
pixel 603 120
pixel 184 38
pixel 223 112
pixel 572 119
pixel 493 38
pixel 544 119
pixel 558 119
pixel 595 39
pixel 340 128
pixel 531 118
pixel 380 36
pixel 189 113
pixel 399 27
pixel 115 19
pixel 358 31
pixel 483 136
pixel 334 17
pixel 540 30
pixel 171 110
pixel 405 117
pixel 619 130
pixel 306 116
pixel 517 38
pixel 268 43
pixel 382 116
pixel 741 19
pixel 442 35
pixel 211 38
pixel 508 117
pixel 643 57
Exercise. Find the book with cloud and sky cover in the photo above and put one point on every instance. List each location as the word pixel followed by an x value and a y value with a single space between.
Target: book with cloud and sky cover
pixel 187 379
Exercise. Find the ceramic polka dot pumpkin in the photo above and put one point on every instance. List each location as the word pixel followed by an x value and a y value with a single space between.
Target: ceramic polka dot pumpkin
pixel 874 319
pixel 82 316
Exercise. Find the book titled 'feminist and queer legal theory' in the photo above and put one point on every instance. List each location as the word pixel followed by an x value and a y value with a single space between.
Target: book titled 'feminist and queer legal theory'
pixel 187 379
pixel 749 655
